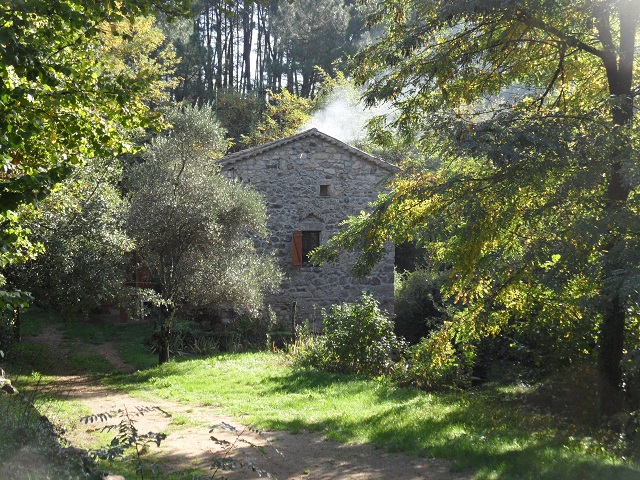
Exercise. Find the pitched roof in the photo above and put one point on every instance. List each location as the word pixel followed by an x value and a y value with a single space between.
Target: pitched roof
pixel 314 132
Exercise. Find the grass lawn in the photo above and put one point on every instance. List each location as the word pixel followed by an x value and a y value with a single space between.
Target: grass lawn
pixel 492 432
pixel 489 432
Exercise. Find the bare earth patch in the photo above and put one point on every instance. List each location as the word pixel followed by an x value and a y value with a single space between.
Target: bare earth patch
pixel 188 444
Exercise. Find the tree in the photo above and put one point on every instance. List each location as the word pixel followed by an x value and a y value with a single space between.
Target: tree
pixel 530 107
pixel 283 115
pixel 191 226
pixel 312 34
pixel 216 47
pixel 138 48
pixel 59 103
pixel 80 227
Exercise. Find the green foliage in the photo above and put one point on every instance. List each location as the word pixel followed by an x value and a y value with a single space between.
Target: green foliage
pixel 437 362
pixel 15 248
pixel 238 115
pixel 190 338
pixel 60 101
pixel 127 438
pixel 245 333
pixel 192 226
pixel 358 338
pixel 284 114
pixel 631 375
pixel 534 204
pixel 419 306
pixel 14 302
pixel 81 227
pixel 137 48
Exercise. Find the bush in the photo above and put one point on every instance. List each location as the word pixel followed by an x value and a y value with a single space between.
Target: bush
pixel 7 333
pixel 358 338
pixel 631 378
pixel 437 363
pixel 419 306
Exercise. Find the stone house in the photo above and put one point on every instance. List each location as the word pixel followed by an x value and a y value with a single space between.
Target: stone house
pixel 311 182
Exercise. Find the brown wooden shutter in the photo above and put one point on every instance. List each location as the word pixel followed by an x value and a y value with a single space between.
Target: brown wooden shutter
pixel 296 249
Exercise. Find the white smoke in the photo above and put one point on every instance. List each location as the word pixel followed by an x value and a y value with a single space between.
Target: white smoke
pixel 344 116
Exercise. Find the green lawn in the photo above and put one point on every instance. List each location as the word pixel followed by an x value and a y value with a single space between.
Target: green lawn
pixel 491 433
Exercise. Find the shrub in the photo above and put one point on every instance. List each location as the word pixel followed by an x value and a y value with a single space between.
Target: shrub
pixel 437 363
pixel 7 334
pixel 419 306
pixel 631 376
pixel 358 338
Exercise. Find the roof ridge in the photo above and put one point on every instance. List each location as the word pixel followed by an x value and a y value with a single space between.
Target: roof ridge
pixel 253 151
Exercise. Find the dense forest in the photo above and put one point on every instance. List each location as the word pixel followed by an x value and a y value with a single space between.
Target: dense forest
pixel 235 57
pixel 255 47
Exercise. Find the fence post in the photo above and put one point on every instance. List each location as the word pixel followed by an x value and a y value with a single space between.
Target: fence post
pixel 293 319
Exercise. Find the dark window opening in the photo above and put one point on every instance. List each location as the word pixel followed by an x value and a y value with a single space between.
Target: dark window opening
pixel 302 243
pixel 324 190
pixel 310 240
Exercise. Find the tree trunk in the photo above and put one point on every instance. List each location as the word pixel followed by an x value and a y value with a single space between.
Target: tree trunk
pixel 208 63
pixel 611 351
pixel 247 37
pixel 229 79
pixel 165 334
pixel 618 64
pixel 219 68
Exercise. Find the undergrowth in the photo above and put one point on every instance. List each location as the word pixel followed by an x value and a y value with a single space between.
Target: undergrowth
pixel 31 447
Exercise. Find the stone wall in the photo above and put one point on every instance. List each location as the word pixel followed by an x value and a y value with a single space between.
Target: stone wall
pixel 312 182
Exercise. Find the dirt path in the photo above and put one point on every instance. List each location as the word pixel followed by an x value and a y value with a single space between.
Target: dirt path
pixel 189 446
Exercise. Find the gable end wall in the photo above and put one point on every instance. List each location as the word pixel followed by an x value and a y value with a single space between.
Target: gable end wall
pixel 290 177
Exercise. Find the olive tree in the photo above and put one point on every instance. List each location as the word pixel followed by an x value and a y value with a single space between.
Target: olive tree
pixel 193 228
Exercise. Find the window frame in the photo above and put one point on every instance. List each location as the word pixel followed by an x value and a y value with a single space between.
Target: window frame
pixel 301 246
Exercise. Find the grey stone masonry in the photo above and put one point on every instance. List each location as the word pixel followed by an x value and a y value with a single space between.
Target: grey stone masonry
pixel 311 183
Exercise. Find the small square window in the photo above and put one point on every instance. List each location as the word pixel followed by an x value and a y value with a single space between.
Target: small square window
pixel 324 190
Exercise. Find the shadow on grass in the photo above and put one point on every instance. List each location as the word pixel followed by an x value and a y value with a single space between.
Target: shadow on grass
pixel 66 359
pixel 70 346
pixel 496 434
pixel 496 439
pixel 489 432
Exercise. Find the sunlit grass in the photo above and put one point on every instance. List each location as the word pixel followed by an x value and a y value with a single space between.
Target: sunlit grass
pixel 483 432
pixel 489 433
